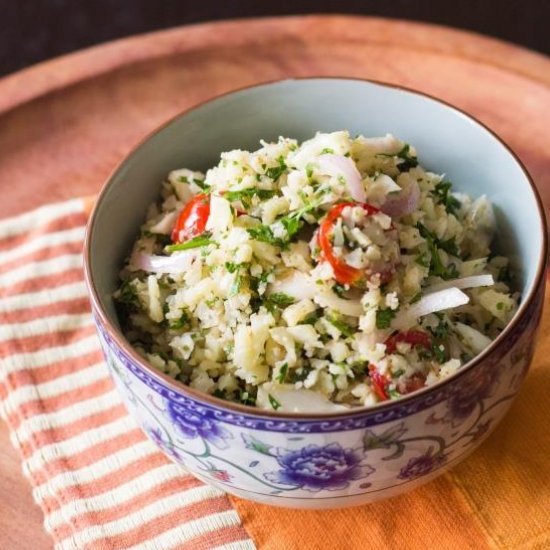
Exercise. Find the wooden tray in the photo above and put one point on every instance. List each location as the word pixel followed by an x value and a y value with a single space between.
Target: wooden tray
pixel 64 124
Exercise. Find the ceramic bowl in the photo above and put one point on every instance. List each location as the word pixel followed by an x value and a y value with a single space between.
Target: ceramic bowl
pixel 325 460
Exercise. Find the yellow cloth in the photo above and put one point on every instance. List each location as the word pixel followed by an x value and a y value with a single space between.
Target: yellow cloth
pixel 499 497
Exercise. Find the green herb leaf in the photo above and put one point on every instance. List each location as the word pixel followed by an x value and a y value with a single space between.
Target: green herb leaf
pixel 195 242
pixel 282 374
pixel 231 267
pixel 181 322
pixel 436 265
pixel 245 195
pixel 278 300
pixel 344 328
pixel 277 171
pixel 292 224
pixel 264 234
pixel 327 151
pixel 384 318
pixel 442 193
pixel 339 290
pixel 273 402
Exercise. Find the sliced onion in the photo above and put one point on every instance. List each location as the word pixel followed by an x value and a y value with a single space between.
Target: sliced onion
pixel 176 263
pixel 165 225
pixel 338 165
pixel 294 400
pixel 473 281
pixel 296 284
pixel 327 298
pixel 472 338
pixel 402 203
pixel 436 301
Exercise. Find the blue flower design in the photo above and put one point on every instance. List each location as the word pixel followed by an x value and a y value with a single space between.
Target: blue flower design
pixel 192 425
pixel 319 467
pixel 422 465
pixel 157 436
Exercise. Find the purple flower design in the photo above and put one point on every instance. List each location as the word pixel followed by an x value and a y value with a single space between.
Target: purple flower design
pixel 192 425
pixel 314 467
pixel 156 435
pixel 464 399
pixel 422 465
pixel 480 430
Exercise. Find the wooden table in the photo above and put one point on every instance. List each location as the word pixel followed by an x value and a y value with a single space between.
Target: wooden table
pixel 65 123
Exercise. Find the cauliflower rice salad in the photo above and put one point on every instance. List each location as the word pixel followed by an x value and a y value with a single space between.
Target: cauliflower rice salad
pixel 314 277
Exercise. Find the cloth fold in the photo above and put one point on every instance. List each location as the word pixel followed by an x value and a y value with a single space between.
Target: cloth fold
pixel 103 485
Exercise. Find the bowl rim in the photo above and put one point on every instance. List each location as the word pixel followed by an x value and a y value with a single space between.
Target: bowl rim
pixel 229 406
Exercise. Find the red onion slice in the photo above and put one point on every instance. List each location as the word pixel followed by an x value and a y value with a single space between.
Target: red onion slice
pixel 338 165
pixel 465 282
pixel 402 203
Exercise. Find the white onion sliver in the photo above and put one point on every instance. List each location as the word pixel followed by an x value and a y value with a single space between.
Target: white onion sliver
pixel 295 400
pixel 338 165
pixel 436 301
pixel 296 284
pixel 402 203
pixel 327 298
pixel 176 263
pixel 473 281
pixel 472 338
pixel 165 225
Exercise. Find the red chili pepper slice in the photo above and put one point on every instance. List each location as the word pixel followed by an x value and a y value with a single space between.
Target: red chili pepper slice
pixel 192 219
pixel 416 338
pixel 379 383
pixel 343 273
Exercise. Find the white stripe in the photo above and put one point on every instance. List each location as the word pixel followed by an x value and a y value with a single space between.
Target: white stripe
pixel 40 216
pixel 46 325
pixel 46 240
pixel 109 464
pixel 116 497
pixel 155 510
pixel 62 384
pixel 43 297
pixel 47 356
pixel 245 544
pixel 33 270
pixel 189 530
pixel 80 443
pixel 67 415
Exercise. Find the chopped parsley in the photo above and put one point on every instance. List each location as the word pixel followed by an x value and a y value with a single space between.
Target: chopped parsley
pixel 179 323
pixel 282 374
pixel 278 300
pixel 127 294
pixel 196 242
pixel 263 233
pixel 245 195
pixel 277 171
pixel 344 328
pixel 231 267
pixel 409 161
pixel 199 183
pixel 273 402
pixel 437 267
pixel 327 151
pixel 442 193
pixel 384 318
pixel 339 290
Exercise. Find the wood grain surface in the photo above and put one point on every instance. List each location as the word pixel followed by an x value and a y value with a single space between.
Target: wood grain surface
pixel 65 124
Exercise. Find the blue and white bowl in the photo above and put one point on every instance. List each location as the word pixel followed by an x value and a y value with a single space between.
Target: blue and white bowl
pixel 339 459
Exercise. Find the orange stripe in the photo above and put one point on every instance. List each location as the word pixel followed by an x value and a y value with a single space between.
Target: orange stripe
pixel 53 435
pixel 43 341
pixel 69 221
pixel 159 525
pixel 47 373
pixel 89 456
pixel 107 482
pixel 76 305
pixel 119 511
pixel 41 283
pixel 46 253
pixel 406 522
pixel 52 404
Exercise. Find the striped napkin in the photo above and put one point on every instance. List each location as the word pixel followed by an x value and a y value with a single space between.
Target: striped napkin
pixel 99 481
pixel 103 485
